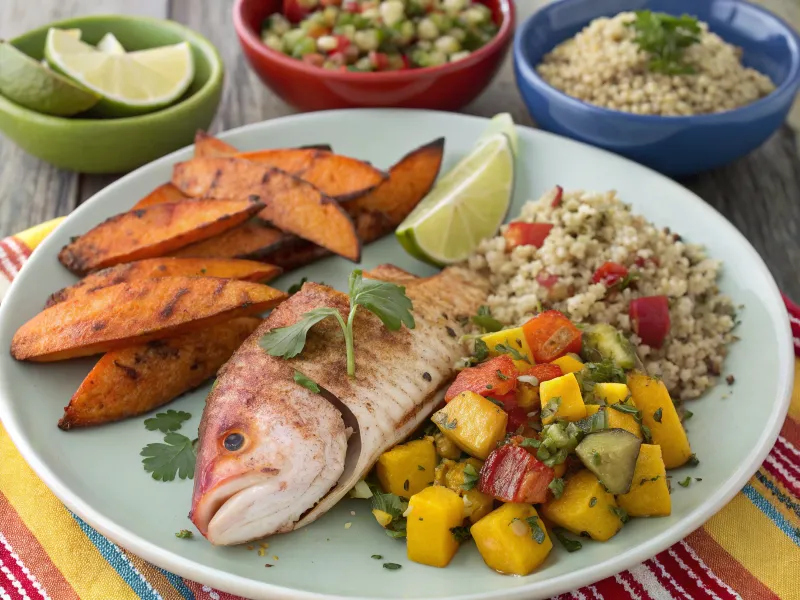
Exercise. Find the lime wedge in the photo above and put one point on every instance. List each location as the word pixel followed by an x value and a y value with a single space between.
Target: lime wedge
pixel 27 82
pixel 467 205
pixel 110 45
pixel 131 83
pixel 502 123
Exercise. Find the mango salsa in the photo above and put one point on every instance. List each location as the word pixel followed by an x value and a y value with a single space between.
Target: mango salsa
pixel 511 338
pixel 527 395
pixel 432 513
pixel 456 477
pixel 584 506
pixel 649 493
pixel 565 393
pixel 659 414
pixel 507 541
pixel 473 423
pixel 611 393
pixel 407 468
pixel 477 505
pixel 568 364
pixel 617 420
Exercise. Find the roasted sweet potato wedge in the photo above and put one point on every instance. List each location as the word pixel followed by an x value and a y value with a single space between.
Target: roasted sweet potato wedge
pixel 378 213
pixel 161 195
pixel 292 204
pixel 207 146
pixel 252 240
pixel 337 176
pixel 227 268
pixel 410 180
pixel 129 382
pixel 129 314
pixel 154 231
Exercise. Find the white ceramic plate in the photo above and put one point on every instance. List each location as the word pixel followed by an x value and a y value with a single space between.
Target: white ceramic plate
pixel 98 474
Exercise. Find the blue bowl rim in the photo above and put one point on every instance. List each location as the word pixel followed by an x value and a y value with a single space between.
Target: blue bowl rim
pixel 789 86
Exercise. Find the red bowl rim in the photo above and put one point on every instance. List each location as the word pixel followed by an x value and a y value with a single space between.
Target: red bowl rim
pixel 248 37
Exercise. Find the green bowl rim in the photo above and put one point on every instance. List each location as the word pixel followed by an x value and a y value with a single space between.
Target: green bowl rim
pixel 193 37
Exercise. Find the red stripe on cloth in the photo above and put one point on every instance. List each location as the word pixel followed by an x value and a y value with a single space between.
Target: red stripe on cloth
pixel 791 432
pixel 7 268
pixel 789 450
pixel 27 547
pixel 780 469
pixel 727 568
pixel 203 592
pixel 12 568
pixel 7 592
pixel 683 552
pixel 611 588
pixel 669 577
pixel 632 587
pixel 12 255
pixel 692 584
pixel 23 250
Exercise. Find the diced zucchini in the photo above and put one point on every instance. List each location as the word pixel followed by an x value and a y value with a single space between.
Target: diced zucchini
pixel 611 455
pixel 604 341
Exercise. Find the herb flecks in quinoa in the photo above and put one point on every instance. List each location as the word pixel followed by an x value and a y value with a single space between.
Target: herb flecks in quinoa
pixel 613 65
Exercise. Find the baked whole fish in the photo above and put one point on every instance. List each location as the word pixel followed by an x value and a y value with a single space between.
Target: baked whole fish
pixel 273 456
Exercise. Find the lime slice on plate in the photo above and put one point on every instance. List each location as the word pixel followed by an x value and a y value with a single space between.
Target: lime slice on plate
pixel 502 123
pixel 110 45
pixel 131 83
pixel 27 82
pixel 467 205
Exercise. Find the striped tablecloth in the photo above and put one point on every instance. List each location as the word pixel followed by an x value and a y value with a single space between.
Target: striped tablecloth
pixel 750 549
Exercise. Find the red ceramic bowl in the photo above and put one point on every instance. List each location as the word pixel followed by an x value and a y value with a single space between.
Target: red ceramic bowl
pixel 446 87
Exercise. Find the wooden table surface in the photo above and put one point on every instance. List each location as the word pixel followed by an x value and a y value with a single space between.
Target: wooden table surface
pixel 759 194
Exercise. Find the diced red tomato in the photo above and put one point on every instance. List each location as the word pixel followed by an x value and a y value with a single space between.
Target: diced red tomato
pixel 609 273
pixel 650 319
pixel 551 335
pixel 641 261
pixel 558 195
pixel 545 372
pixel 379 60
pixel 546 280
pixel 314 59
pixel 351 6
pixel 496 376
pixel 512 474
pixel 526 234
pixel 517 416
pixel 406 62
pixel 342 43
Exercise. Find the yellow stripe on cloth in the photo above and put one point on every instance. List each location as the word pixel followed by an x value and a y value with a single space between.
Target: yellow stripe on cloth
pixel 59 534
pixel 33 237
pixel 794 407
pixel 751 538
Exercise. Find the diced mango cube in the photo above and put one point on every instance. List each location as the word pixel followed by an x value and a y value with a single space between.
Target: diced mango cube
pixel 407 468
pixel 432 513
pixel 565 393
pixel 473 423
pixel 649 493
pixel 617 420
pixel 611 393
pixel 382 517
pixel 511 338
pixel 456 476
pixel 508 543
pixel 568 364
pixel 659 414
pixel 527 395
pixel 477 505
pixel 585 506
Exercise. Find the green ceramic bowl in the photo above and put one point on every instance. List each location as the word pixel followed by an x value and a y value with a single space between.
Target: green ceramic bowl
pixel 118 145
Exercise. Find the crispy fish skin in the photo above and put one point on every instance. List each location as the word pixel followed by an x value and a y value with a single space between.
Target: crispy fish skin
pixel 398 379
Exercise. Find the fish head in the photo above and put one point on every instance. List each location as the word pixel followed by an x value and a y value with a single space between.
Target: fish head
pixel 268 450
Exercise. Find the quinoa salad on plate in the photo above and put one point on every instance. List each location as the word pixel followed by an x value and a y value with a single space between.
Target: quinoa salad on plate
pixel 589 256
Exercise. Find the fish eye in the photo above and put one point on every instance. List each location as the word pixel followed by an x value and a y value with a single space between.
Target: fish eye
pixel 233 441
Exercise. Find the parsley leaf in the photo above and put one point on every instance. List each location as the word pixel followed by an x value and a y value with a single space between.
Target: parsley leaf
pixel 569 544
pixel 471 478
pixel 665 37
pixel 551 408
pixel 392 566
pixel 184 534
pixel 295 287
pixel 481 352
pixel 626 409
pixel 657 416
pixel 537 533
pixel 392 505
pixel 557 487
pixel 385 300
pixel 167 421
pixel 685 482
pixel 621 513
pixel 513 352
pixel 176 456
pixel 461 534
pixel 693 460
pixel 289 341
pixel 486 321
pixel 307 383
pixel 647 434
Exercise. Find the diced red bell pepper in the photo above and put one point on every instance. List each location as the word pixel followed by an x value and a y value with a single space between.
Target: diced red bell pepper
pixel 517 416
pixel 558 195
pixel 609 273
pixel 379 60
pixel 512 474
pixel 314 59
pixel 546 280
pixel 650 319
pixel 342 43
pixel 351 6
pixel 406 62
pixel 526 234
pixel 641 261
pixel 545 372
pixel 551 335
pixel 297 10
pixel 496 376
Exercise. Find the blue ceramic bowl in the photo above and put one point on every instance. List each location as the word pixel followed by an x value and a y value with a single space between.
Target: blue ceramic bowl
pixel 672 145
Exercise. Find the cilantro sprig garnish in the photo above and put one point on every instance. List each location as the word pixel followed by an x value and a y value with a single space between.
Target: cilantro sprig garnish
pixel 665 37
pixel 387 301
pixel 167 421
pixel 486 321
pixel 176 456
